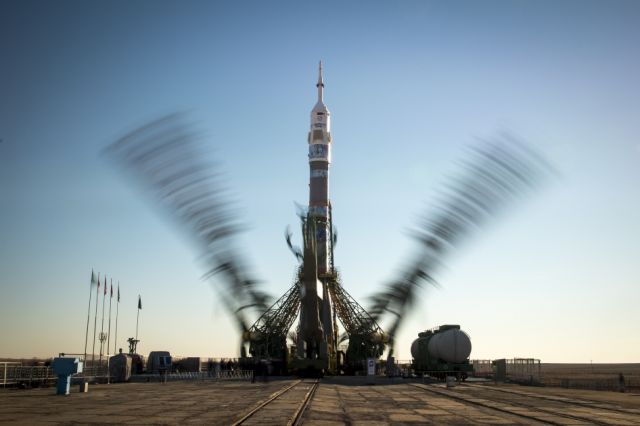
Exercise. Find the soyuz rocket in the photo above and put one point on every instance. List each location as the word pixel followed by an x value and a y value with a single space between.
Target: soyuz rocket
pixel 316 342
pixel 319 160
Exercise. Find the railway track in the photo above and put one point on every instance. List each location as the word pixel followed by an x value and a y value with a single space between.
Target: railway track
pixel 524 409
pixel 580 402
pixel 268 412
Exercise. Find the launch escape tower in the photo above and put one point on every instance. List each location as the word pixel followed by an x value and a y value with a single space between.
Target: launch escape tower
pixel 317 297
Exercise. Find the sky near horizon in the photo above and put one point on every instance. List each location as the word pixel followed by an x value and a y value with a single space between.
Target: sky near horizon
pixel 409 85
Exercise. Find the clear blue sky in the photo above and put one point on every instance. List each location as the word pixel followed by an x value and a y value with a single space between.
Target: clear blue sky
pixel 409 85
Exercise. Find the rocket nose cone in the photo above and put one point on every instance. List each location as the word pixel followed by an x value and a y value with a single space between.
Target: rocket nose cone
pixel 320 107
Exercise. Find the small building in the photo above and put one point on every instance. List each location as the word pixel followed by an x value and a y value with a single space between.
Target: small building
pixel 159 362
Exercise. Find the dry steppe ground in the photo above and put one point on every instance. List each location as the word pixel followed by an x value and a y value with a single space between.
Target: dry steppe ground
pixel 584 375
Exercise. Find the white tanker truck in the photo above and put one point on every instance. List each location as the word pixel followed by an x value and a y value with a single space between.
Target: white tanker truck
pixel 442 351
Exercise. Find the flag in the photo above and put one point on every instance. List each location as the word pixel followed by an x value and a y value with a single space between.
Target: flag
pixel 105 285
pixel 139 302
pixel 93 277
pixel 118 292
pixel 111 290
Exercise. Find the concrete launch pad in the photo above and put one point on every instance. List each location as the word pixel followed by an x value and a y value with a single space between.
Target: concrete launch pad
pixel 331 403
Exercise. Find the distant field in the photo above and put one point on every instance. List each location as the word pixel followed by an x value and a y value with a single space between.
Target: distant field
pixel 591 376
pixel 26 361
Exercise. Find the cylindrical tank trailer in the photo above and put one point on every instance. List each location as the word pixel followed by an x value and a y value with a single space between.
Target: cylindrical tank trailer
pixel 442 351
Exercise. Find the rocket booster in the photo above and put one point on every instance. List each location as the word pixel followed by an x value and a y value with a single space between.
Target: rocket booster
pixel 319 159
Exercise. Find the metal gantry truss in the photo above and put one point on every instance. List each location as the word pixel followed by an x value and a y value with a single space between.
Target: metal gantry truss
pixel 268 335
pixel 366 338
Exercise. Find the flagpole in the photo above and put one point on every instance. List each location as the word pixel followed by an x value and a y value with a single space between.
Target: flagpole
pixel 95 320
pixel 104 295
pixel 109 329
pixel 86 335
pixel 138 316
pixel 115 340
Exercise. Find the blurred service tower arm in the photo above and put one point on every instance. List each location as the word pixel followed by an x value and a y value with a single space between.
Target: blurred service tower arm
pixel 316 342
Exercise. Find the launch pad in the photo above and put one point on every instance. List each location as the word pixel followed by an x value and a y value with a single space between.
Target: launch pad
pixel 316 327
pixel 278 401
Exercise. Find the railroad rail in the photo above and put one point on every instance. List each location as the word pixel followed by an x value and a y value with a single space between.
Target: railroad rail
pixel 534 412
pixel 297 414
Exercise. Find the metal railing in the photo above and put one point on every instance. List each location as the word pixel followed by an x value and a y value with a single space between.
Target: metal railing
pixel 527 369
pixel 94 371
pixel 7 372
pixel 14 373
pixel 482 367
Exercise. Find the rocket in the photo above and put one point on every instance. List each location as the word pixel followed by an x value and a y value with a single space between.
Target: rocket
pixel 319 159
pixel 316 338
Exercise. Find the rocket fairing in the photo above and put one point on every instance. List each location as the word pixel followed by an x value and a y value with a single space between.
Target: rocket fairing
pixel 319 159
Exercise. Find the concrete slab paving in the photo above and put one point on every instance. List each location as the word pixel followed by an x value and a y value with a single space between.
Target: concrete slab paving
pixel 334 403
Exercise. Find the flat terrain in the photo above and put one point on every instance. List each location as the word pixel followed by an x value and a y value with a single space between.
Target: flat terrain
pixel 332 402
pixel 591 376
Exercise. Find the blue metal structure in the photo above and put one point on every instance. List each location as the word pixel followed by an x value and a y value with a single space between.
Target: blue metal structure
pixel 64 369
